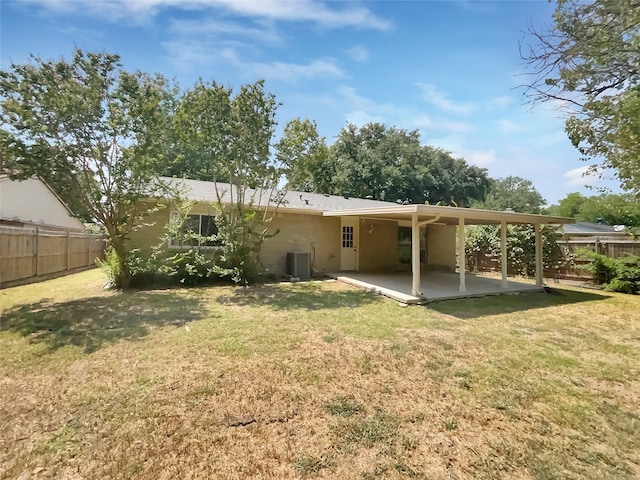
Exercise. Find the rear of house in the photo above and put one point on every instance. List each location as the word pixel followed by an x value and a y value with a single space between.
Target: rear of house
pixel 333 243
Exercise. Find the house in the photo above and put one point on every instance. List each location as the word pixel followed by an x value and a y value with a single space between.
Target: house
pixel 32 203
pixel 359 236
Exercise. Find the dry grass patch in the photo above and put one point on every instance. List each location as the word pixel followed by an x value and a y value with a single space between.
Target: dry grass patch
pixel 315 380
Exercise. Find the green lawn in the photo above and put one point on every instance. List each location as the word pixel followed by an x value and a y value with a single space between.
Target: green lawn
pixel 315 380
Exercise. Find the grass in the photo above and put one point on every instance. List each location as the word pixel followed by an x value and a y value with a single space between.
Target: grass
pixel 313 380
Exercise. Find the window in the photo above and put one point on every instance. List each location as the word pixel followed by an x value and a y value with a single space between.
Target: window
pixel 202 225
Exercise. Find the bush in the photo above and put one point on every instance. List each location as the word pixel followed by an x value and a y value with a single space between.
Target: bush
pixel 616 275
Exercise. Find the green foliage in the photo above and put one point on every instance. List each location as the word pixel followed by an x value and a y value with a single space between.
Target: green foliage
pixel 589 61
pixel 615 274
pixel 235 132
pixel 304 156
pixel 111 267
pixel 484 241
pixel 95 132
pixel 515 193
pixel 388 163
pixel 610 209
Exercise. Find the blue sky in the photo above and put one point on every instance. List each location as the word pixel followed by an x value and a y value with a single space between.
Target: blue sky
pixel 450 69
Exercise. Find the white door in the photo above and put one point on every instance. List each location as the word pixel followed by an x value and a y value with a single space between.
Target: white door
pixel 349 244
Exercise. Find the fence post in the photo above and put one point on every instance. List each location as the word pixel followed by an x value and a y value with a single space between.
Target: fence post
pixel 88 252
pixel 36 244
pixel 68 251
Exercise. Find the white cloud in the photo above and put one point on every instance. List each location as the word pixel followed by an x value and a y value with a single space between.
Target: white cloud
pixel 297 11
pixel 495 103
pixel 580 177
pixel 189 55
pixel 210 28
pixel 292 72
pixel 441 100
pixel 507 126
pixel 364 110
pixel 359 53
pixel 481 158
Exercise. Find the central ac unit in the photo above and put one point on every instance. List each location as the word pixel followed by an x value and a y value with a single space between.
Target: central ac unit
pixel 299 264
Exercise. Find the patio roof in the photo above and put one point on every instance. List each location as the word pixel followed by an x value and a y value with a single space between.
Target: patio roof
pixel 448 215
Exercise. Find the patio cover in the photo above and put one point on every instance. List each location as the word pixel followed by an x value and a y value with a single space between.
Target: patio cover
pixel 421 215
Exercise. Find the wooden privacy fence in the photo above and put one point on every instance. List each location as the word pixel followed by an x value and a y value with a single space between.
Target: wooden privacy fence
pixel 574 269
pixel 613 247
pixel 30 253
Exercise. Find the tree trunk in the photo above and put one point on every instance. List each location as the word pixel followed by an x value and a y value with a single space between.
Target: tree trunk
pixel 123 279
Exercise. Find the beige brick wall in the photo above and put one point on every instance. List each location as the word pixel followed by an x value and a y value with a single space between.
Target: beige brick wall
pixel 441 246
pixel 378 250
pixel 378 245
pixel 303 233
pixel 148 236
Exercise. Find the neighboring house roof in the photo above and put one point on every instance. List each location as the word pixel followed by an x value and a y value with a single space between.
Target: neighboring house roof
pixel 583 228
pixel 201 191
pixel 33 202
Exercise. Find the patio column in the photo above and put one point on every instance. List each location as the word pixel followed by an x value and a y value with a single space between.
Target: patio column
pixel 503 252
pixel 538 245
pixel 462 260
pixel 415 256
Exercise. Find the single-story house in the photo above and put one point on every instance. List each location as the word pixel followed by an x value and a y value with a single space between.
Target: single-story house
pixel 358 240
pixel 32 203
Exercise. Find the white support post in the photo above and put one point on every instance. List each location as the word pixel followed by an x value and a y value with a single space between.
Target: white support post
pixel 462 260
pixel 538 247
pixel 503 252
pixel 415 256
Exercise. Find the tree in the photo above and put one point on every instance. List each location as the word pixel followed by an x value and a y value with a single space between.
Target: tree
pixel 391 164
pixel 232 135
pixel 569 206
pixel 94 131
pixel 590 63
pixel 516 193
pixel 304 155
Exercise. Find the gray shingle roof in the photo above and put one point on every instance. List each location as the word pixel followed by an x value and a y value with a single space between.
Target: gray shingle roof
pixel 201 191
pixel 590 229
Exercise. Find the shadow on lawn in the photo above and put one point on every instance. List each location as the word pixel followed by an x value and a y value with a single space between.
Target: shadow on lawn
pixel 466 308
pixel 306 296
pixel 92 322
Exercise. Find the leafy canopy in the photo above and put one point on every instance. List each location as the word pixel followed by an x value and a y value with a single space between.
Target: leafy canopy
pixel 589 63
pixel 94 131
pixel 390 164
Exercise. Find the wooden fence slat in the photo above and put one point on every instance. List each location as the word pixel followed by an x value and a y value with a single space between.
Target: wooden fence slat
pixel 46 251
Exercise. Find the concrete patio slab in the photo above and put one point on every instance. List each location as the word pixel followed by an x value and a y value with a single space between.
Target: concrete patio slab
pixel 434 285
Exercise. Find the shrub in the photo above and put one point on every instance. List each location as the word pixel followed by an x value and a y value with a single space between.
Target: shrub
pixel 616 275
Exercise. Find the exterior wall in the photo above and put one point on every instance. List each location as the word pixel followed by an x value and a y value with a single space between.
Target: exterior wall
pixel 148 236
pixel 298 233
pixel 303 233
pixel 441 247
pixel 378 245
pixel 31 202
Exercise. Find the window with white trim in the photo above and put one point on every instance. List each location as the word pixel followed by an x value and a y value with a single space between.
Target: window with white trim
pixel 200 225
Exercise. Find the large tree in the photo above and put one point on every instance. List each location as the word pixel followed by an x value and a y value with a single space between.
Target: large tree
pixel 227 138
pixel 94 131
pixel 589 62
pixel 611 209
pixel 390 164
pixel 516 193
